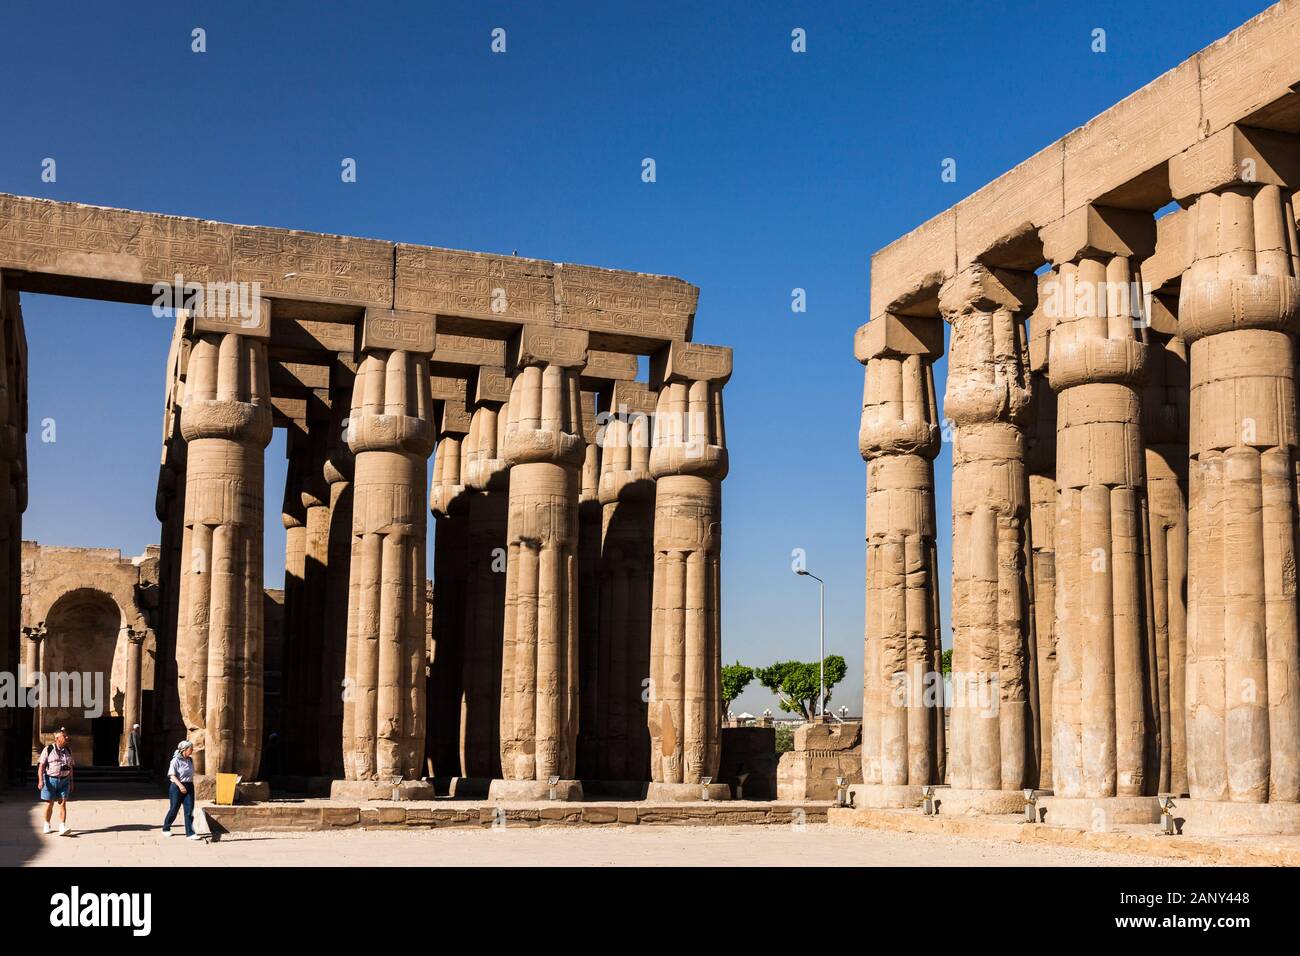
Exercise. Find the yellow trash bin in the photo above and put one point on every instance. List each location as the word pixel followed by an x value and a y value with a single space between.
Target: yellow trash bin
pixel 226 788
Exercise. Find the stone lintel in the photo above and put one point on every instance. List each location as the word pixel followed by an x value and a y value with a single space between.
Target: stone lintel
pixel 255 326
pixel 454 349
pixel 983 289
pixel 605 367
pixel 1163 313
pixel 548 345
pixel 1237 155
pixel 491 386
pixel 633 398
pixel 448 387
pixel 1100 231
pixel 391 329
pixel 299 375
pixel 898 335
pixel 691 362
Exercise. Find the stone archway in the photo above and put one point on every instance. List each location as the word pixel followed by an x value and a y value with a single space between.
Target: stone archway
pixel 79 660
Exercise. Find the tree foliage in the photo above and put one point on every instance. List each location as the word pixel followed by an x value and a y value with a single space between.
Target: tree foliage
pixel 735 678
pixel 795 683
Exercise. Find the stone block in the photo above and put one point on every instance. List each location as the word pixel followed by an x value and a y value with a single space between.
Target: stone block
pixel 690 362
pixel 390 329
pixel 898 335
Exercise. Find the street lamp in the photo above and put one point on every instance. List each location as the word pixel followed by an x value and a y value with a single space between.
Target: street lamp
pixel 821 638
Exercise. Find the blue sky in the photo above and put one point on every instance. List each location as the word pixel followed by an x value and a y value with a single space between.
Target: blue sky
pixel 775 171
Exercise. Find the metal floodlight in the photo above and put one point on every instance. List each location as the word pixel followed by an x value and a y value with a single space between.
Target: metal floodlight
pixel 928 807
pixel 839 791
pixel 704 787
pixel 740 785
pixel 1031 805
pixel 1167 824
pixel 551 783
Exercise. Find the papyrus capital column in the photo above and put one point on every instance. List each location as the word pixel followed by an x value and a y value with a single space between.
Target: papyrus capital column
pixel 390 433
pixel 902 708
pixel 1238 308
pixel 1097 360
pixel 487 478
pixel 988 395
pixel 226 422
pixel 544 448
pixel 335 696
pixel 688 461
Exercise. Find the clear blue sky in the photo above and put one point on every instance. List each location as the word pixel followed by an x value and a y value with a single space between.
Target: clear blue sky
pixel 775 170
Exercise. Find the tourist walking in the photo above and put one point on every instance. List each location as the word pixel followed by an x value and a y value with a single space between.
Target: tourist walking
pixel 54 778
pixel 180 772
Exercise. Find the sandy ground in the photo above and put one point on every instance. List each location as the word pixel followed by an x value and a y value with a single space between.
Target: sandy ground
pixel 125 832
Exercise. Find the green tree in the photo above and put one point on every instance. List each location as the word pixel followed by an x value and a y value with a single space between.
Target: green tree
pixel 795 683
pixel 735 678
pixel 947 662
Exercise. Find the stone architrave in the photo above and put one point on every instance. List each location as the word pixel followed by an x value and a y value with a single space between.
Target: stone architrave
pixel 688 462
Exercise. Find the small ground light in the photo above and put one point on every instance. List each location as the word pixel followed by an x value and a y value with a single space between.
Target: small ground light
pixel 552 783
pixel 704 785
pixel 840 791
pixel 928 807
pixel 1031 806
pixel 740 785
pixel 1168 827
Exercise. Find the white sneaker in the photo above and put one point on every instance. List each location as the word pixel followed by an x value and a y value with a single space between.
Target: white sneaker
pixel 48 828
pixel 194 836
pixel 168 833
pixel 63 829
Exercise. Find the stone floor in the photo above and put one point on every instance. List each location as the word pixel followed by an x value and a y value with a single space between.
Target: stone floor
pixel 125 832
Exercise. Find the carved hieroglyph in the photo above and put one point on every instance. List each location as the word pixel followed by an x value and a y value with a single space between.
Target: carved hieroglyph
pixel 902 730
pixel 226 421
pixel 991 745
pixel 544 449
pixel 1238 311
pixel 688 461
pixel 390 433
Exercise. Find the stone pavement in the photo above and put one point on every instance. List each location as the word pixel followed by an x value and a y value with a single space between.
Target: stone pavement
pixel 125 832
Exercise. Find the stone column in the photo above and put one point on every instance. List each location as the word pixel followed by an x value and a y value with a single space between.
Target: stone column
pixel 337 472
pixel 627 495
pixel 902 712
pixel 449 504
pixel 226 422
pixel 539 671
pixel 390 432
pixel 32 638
pixel 590 685
pixel 991 747
pixel 488 479
pixel 1164 432
pixel 688 462
pixel 131 705
pixel 1040 461
pixel 1101 707
pixel 1238 308
pixel 13 502
pixel 293 722
pixel 314 492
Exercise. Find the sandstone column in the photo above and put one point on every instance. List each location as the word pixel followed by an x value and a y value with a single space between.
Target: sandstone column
pixel 390 432
pixel 1101 707
pixel 131 704
pixel 590 729
pixel 449 504
pixel 337 472
pixel 539 671
pixel 988 398
pixel 627 495
pixel 1040 460
pixel 1164 431
pixel 488 479
pixel 13 502
pixel 1238 308
pixel 292 722
pixel 688 462
pixel 902 712
pixel 226 422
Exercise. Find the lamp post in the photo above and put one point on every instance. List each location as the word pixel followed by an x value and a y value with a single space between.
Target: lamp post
pixel 821 638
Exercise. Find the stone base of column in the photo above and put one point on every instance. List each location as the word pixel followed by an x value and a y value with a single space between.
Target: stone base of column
pixel 1101 813
pixel 378 790
pixel 205 788
pixel 534 791
pixel 615 789
pixel 874 796
pixel 686 792
pixel 954 802
pixel 1214 818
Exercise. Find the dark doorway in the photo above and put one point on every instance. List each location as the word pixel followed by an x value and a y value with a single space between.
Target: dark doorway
pixel 107 731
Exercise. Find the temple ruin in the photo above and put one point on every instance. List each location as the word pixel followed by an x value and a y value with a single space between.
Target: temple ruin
pixel 1122 311
pixel 575 578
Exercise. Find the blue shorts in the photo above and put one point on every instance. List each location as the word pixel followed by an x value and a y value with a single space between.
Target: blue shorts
pixel 56 788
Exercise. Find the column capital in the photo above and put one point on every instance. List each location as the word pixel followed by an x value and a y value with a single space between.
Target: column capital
pixel 394 330
pixel 490 386
pixel 690 362
pixel 898 336
pixel 981 288
pixel 1104 232
pixel 547 345
pixel 1235 156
